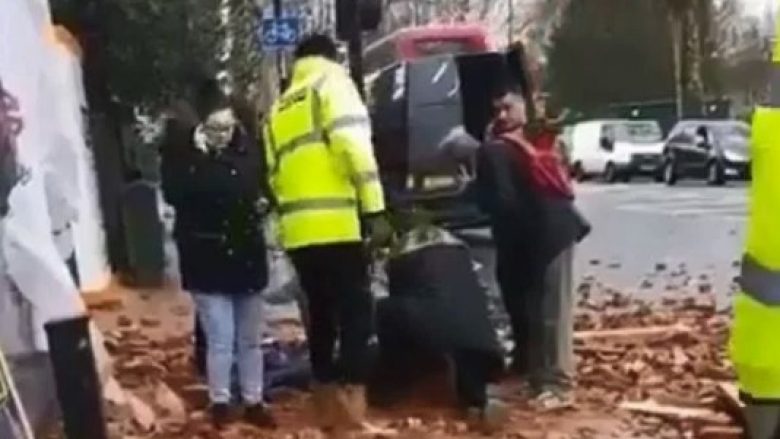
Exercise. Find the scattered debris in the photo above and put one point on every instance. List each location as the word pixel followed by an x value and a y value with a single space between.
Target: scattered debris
pixel 124 321
pixel 633 333
pixel 668 366
pixel 113 393
pixel 655 369
pixel 148 322
pixel 169 403
pixel 721 432
pixel 143 416
pixel 181 310
pixel 677 413
pixel 728 394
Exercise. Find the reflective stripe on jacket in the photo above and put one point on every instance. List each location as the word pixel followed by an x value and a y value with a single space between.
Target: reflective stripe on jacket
pixel 754 345
pixel 321 163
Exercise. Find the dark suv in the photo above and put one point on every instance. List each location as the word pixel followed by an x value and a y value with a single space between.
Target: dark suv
pixel 715 150
pixel 428 117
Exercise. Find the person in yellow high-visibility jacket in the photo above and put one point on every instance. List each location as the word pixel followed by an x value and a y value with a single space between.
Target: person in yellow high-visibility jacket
pixel 324 180
pixel 754 345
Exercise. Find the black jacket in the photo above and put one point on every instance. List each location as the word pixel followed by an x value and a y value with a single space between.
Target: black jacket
pixel 538 225
pixel 218 229
pixel 436 300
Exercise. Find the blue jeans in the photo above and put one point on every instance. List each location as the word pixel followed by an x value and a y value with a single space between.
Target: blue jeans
pixel 232 322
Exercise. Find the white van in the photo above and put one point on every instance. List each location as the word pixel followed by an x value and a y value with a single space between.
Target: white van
pixel 616 149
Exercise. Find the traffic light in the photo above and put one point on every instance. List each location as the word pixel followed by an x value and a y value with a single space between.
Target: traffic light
pixel 353 16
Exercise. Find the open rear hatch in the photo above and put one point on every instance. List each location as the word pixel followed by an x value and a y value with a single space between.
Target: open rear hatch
pixel 429 116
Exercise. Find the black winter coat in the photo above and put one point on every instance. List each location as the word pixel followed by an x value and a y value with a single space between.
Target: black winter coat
pixel 218 229
pixel 436 300
pixel 537 225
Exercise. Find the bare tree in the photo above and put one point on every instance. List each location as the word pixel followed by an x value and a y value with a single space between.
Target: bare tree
pixel 691 24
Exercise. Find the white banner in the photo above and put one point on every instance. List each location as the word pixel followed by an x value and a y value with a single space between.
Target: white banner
pixel 53 209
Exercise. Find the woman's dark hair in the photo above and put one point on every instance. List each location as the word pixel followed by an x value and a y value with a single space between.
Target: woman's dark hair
pixel 209 97
pixel 317 45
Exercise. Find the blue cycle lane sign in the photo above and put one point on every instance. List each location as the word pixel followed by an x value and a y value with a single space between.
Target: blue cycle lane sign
pixel 280 33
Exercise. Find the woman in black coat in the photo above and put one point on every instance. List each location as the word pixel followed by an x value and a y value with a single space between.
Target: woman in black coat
pixel 212 178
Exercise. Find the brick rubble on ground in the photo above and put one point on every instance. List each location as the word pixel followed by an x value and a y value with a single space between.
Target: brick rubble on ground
pixel 660 369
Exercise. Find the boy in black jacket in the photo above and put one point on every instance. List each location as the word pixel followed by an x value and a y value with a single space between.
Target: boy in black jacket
pixel 521 186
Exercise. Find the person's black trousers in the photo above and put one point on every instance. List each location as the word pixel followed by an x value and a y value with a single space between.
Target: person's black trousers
pixel 405 362
pixel 472 375
pixel 336 281
pixel 516 284
pixel 539 303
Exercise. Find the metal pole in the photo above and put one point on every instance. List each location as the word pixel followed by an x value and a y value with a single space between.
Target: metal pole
pixel 677 59
pixel 78 385
pixel 277 10
pixel 355 50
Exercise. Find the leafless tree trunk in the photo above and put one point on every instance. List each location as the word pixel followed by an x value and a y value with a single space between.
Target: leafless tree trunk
pixel 677 17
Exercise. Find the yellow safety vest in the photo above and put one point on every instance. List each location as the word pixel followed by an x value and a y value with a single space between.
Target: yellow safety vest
pixel 321 164
pixel 755 336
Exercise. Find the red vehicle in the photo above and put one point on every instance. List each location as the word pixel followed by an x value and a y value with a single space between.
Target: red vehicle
pixel 418 42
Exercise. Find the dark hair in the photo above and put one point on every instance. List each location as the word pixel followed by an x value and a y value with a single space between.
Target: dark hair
pixel 209 97
pixel 317 45
pixel 512 88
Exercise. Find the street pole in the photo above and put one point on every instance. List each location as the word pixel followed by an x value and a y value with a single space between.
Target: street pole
pixel 355 49
pixel 277 10
pixel 677 60
pixel 76 376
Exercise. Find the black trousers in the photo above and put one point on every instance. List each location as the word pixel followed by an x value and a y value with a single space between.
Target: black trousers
pixel 336 282
pixel 404 362
pixel 514 280
pixel 472 374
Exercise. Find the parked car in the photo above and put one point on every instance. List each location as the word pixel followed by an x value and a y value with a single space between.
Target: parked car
pixel 616 149
pixel 716 150
pixel 428 117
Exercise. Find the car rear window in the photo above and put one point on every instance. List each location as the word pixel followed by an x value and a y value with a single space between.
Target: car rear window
pixel 640 132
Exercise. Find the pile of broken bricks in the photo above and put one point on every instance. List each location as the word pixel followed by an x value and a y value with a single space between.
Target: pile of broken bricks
pixel 666 363
pixel 659 368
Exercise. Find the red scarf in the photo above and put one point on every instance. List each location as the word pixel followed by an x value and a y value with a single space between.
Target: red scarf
pixel 539 156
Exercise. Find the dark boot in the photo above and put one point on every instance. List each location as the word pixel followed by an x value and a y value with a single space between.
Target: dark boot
pixel 324 399
pixel 220 415
pixel 259 416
